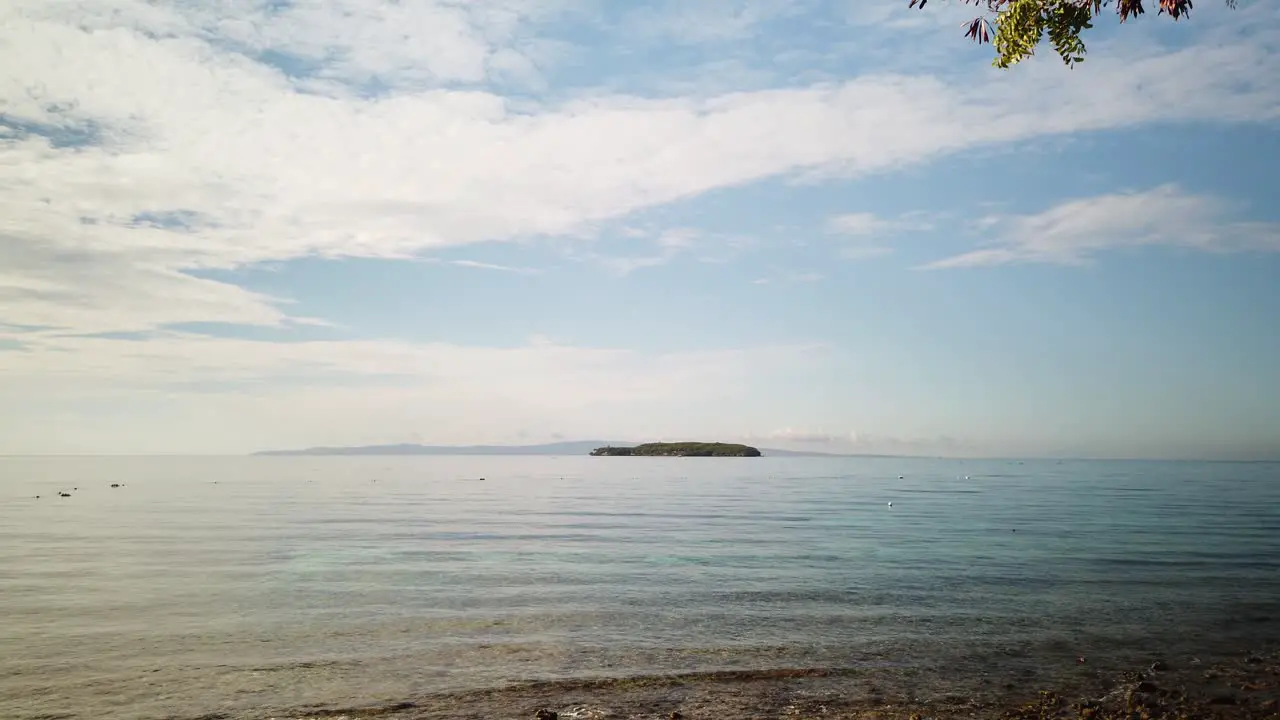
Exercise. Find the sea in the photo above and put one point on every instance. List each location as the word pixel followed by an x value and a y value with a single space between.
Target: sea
pixel 257 586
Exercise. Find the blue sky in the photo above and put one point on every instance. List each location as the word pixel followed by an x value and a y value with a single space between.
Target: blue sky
pixel 232 226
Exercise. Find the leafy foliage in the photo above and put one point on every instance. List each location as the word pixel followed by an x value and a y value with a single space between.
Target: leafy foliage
pixel 684 449
pixel 1017 27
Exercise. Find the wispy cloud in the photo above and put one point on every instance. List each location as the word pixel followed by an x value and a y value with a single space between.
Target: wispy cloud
pixel 857 442
pixel 667 246
pixel 1074 232
pixel 810 437
pixel 287 391
pixel 869 231
pixel 677 238
pixel 623 266
pixel 864 251
pixel 493 266
pixel 860 224
pixel 863 224
pixel 790 279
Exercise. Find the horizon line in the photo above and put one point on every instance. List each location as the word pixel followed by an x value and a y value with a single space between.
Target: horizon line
pixel 959 458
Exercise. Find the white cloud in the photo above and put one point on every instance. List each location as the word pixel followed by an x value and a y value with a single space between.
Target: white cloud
pixel 98 290
pixel 677 238
pixel 668 245
pixel 228 395
pixel 178 357
pixel 493 266
pixel 790 278
pixel 1075 231
pixel 863 227
pixel 864 224
pixel 338 43
pixel 866 228
pixel 268 173
pixel 860 224
pixel 622 266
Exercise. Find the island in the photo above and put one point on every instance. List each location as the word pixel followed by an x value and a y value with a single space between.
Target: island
pixel 570 447
pixel 680 449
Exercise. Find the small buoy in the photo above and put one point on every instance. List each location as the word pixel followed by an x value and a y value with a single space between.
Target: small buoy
pixel 891 504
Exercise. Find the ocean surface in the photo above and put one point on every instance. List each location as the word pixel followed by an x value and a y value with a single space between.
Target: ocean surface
pixel 259 586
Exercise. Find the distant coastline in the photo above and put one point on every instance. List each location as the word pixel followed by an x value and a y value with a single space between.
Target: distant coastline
pixel 679 449
pixel 575 447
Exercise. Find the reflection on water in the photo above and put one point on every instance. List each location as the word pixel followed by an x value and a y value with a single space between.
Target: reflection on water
pixel 221 584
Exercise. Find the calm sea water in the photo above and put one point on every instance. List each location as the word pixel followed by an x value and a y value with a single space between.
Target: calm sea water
pixel 236 584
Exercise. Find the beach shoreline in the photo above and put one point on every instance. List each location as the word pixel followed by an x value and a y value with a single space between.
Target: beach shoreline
pixel 1246 687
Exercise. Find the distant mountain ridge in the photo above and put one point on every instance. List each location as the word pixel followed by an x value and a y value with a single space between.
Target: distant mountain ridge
pixel 576 447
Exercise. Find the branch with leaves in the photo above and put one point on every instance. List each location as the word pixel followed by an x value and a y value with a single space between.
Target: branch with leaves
pixel 1017 27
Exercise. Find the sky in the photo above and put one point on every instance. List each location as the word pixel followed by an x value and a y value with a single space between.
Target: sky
pixel 237 225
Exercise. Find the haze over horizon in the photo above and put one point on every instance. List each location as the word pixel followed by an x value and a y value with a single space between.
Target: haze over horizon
pixel 276 224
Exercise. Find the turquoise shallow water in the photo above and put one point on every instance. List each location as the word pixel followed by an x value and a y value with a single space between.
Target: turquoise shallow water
pixel 235 584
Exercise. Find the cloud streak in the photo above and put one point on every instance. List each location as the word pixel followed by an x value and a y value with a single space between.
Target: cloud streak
pixel 494 266
pixel 1076 231
pixel 869 230
pixel 807 437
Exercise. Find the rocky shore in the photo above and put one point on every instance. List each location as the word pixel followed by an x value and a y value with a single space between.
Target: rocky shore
pixel 1243 688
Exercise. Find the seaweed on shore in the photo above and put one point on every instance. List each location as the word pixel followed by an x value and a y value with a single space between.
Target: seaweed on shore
pixel 1245 689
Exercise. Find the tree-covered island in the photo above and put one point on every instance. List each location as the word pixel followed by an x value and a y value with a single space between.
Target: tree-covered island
pixel 681 449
